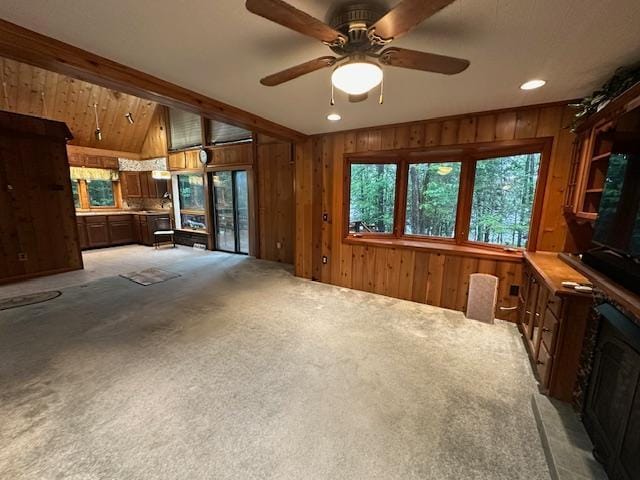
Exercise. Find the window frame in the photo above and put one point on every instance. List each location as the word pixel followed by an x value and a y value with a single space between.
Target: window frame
pixel 468 155
pixel 373 160
pixel 116 203
pixel 177 204
pixel 85 201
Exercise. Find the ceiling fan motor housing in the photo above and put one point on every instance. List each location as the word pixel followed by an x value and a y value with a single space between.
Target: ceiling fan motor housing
pixel 353 20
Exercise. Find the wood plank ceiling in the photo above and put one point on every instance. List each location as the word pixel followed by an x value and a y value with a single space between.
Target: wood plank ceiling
pixel 33 91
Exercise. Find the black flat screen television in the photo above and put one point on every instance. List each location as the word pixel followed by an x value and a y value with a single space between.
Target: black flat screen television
pixel 616 236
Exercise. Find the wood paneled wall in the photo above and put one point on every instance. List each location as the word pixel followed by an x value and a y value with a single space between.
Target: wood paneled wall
pixel 33 91
pixel 276 210
pixel 155 143
pixel 38 232
pixel 436 278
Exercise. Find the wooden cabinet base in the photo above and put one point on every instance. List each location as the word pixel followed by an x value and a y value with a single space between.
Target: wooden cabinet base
pixel 99 231
pixel 553 322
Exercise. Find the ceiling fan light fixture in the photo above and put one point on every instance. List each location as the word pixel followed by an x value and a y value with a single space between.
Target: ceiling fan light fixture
pixel 357 78
pixel 334 117
pixel 532 84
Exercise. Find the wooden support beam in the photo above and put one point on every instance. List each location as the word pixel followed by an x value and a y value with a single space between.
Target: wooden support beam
pixel 27 46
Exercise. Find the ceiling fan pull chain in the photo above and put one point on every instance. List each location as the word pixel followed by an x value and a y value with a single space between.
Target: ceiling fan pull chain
pixel 381 99
pixel 333 100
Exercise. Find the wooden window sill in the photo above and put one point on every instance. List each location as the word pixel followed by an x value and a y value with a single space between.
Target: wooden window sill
pixel 438 247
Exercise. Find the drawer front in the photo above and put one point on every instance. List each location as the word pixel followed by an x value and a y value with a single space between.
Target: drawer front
pixel 550 330
pixel 555 305
pixel 544 364
pixel 119 218
pixel 96 219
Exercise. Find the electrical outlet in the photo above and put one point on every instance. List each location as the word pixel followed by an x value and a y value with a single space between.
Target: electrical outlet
pixel 278 245
pixel 325 259
pixel 22 257
pixel 325 217
pixel 514 290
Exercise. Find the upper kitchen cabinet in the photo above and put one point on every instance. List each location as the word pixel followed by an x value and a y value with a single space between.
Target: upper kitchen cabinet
pixel 142 185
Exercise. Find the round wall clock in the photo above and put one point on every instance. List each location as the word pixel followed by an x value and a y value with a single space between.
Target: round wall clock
pixel 203 155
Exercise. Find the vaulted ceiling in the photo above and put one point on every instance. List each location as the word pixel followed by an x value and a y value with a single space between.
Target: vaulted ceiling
pixel 33 91
pixel 219 49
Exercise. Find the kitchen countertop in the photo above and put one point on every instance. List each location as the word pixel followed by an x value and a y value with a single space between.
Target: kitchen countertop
pixel 123 212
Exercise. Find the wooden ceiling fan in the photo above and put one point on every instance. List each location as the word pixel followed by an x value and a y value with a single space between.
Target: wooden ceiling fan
pixel 358 31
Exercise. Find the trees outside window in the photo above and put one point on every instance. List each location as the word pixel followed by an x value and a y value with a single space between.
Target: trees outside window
pixel 432 199
pixel 482 194
pixel 191 202
pixel 101 193
pixel 503 195
pixel 372 197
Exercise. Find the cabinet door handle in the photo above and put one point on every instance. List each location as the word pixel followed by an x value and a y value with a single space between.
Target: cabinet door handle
pixel 538 362
pixel 545 329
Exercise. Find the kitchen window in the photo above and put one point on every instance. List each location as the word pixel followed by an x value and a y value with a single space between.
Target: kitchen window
pixel 101 193
pixel 484 195
pixel 75 190
pixel 95 188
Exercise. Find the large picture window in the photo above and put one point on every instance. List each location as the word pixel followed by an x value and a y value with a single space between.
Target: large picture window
pixel 481 195
pixel 373 197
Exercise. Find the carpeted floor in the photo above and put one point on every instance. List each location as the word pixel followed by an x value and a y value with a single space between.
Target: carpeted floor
pixel 238 370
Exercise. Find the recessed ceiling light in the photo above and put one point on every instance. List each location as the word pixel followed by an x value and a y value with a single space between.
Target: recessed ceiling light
pixel 334 117
pixel 532 84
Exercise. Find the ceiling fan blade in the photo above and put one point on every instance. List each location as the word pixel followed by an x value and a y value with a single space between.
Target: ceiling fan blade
pixel 406 15
pixel 429 62
pixel 297 71
pixel 284 14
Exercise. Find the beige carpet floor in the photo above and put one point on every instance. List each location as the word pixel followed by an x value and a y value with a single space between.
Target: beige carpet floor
pixel 239 370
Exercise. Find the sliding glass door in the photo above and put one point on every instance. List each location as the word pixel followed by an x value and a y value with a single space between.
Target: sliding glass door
pixel 231 210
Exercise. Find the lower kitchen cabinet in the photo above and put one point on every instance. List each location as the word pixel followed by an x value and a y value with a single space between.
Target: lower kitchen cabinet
pixel 553 321
pixel 96 231
pixel 120 229
pixel 82 233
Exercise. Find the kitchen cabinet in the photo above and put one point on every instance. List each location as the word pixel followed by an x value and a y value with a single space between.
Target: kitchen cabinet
pixel 187 160
pixel 142 185
pixel 553 321
pixel 120 229
pixel 82 233
pixel 92 161
pixel 97 231
pixel 130 184
pixel 177 161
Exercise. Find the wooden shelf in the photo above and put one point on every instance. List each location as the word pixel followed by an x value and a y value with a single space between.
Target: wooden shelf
pixel 602 156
